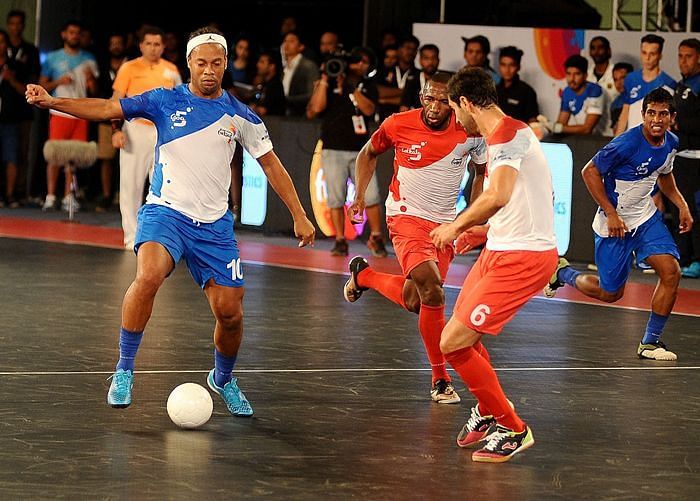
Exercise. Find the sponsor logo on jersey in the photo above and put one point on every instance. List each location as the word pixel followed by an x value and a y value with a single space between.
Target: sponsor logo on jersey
pixel 414 151
pixel 642 169
pixel 228 133
pixel 178 118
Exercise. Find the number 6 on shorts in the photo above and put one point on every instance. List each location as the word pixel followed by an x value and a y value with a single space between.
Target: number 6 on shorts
pixel 478 316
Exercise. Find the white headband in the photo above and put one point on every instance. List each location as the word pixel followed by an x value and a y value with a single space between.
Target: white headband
pixel 206 38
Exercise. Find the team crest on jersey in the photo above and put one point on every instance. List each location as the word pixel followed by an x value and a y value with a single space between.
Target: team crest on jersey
pixel 414 151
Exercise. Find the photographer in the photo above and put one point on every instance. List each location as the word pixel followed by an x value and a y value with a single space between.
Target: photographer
pixel 346 98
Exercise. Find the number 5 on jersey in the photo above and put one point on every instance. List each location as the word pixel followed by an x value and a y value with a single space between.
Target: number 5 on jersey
pixel 236 270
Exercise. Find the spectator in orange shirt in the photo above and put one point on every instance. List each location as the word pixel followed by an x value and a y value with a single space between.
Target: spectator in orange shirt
pixel 137 139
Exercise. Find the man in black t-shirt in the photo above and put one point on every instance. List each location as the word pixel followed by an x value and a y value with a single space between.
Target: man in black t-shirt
pixel 25 61
pixel 347 101
pixel 516 98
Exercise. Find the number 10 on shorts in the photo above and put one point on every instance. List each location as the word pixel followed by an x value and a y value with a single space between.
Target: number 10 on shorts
pixel 236 271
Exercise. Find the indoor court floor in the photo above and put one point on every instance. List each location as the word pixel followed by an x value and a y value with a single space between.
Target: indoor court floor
pixel 340 391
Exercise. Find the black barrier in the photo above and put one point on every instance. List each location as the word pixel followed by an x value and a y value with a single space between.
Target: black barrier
pixel 295 139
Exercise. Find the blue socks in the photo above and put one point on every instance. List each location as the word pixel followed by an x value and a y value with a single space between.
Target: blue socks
pixel 568 276
pixel 655 326
pixel 223 367
pixel 128 346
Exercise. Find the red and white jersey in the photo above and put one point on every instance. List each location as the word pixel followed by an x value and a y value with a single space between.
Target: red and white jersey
pixel 526 222
pixel 429 165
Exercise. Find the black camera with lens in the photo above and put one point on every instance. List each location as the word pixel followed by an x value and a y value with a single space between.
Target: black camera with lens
pixel 337 63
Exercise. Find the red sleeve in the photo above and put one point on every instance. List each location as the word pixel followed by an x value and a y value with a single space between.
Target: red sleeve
pixel 383 139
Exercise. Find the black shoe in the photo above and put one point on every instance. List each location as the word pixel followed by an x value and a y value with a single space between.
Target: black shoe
pixel 352 291
pixel 375 244
pixel 11 202
pixel 340 248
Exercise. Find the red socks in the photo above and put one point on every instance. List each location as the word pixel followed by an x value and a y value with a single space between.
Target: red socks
pixel 431 321
pixel 388 285
pixel 481 350
pixel 482 381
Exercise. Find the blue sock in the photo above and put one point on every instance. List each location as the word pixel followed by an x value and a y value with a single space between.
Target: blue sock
pixel 568 276
pixel 655 327
pixel 128 346
pixel 223 367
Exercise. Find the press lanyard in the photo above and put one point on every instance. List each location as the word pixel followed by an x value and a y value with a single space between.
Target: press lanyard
pixel 401 79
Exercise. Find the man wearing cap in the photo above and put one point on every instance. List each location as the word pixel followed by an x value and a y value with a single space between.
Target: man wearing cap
pixel 186 214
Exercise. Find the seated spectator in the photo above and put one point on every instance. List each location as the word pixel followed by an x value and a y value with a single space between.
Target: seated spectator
pixel 516 98
pixel 269 93
pixel 581 102
pixel 476 54
pixel 619 72
pixel 299 76
pixel 429 61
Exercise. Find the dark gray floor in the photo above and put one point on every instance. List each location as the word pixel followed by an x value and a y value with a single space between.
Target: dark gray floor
pixel 340 393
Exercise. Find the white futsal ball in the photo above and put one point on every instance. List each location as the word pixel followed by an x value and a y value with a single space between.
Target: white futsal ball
pixel 190 405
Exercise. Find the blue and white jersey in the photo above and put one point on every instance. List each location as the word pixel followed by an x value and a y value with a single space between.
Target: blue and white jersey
pixel 590 102
pixel 630 166
pixel 196 141
pixel 636 90
pixel 59 63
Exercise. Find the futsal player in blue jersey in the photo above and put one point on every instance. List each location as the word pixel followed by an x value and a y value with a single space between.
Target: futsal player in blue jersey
pixel 620 178
pixel 641 82
pixel 186 213
pixel 582 102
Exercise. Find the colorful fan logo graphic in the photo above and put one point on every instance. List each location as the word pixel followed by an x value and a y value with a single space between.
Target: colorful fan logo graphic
pixel 319 197
pixel 554 46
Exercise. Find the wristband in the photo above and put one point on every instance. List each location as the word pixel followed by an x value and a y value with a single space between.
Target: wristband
pixel 117 125
pixel 558 127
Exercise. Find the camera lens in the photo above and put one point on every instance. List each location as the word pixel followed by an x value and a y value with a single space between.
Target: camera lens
pixel 335 67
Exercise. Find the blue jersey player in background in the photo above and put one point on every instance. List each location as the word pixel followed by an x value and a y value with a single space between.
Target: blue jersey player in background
pixel 621 177
pixel 641 82
pixel 186 213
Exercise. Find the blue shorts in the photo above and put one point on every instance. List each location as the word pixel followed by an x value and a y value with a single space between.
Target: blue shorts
pixel 613 256
pixel 9 143
pixel 210 249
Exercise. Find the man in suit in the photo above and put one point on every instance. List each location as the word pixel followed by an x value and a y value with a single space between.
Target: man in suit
pixel 299 75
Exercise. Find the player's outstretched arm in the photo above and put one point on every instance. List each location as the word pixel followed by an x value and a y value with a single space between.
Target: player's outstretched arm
pixel 87 108
pixel 667 185
pixel 280 181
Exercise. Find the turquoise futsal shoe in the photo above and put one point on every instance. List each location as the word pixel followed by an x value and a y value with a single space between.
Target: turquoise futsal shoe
pixel 119 395
pixel 232 396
